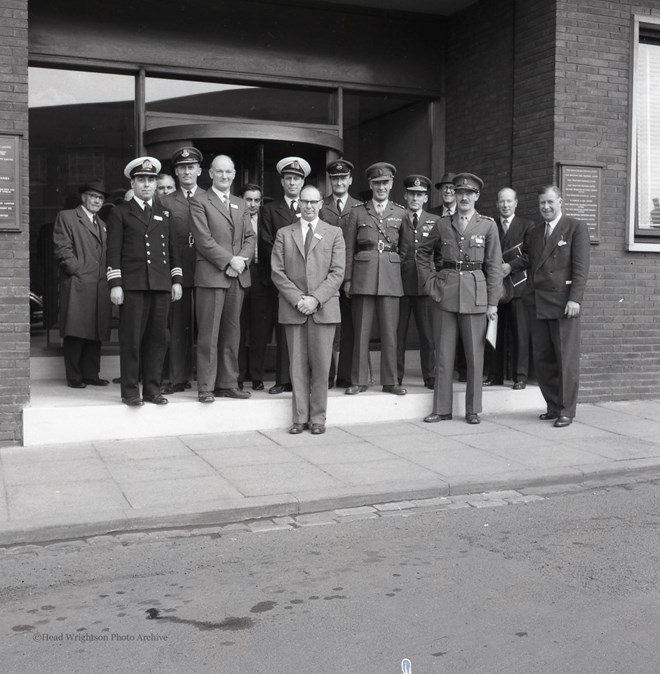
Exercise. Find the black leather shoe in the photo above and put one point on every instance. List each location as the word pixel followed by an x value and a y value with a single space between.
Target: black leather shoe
pixel 96 382
pixel 156 400
pixel 342 383
pixel 232 393
pixel 472 418
pixel 173 388
pixel 76 384
pixel 354 390
pixel 116 380
pixel 562 422
pixel 279 388
pixel 548 416
pixel 493 382
pixel 519 385
pixel 434 418
pixel 318 429
pixel 430 383
pixel 297 429
pixel 205 397
pixel 394 389
pixel 257 385
pixel 133 402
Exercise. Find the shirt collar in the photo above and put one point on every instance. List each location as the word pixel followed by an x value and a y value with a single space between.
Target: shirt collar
pixel 141 203
pixel 223 195
pixel 554 222
pixel 89 214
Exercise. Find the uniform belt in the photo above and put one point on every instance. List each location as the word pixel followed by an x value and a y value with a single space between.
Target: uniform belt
pixel 460 266
pixel 380 247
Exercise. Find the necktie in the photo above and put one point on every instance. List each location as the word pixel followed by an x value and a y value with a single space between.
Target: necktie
pixel 339 208
pixel 294 208
pixel 415 220
pixel 308 238
pixel 97 225
pixel 463 222
pixel 546 236
pixel 505 225
pixel 256 232
pixel 380 207
pixel 147 210
pixel 189 195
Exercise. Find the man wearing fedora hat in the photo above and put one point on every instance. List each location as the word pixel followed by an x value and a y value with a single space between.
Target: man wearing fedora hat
pixel 275 215
pixel 85 310
pixel 447 195
pixel 186 163
pixel 144 276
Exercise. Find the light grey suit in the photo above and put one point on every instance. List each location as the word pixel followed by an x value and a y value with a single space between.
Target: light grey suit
pixel 309 338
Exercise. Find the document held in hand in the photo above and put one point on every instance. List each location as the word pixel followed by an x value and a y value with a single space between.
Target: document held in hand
pixel 509 256
pixel 491 332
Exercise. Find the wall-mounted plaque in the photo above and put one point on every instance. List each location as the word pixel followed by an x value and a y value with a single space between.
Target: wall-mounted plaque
pixel 580 186
pixel 10 180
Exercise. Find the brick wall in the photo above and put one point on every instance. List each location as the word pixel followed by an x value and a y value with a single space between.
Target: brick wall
pixel 14 275
pixel 621 333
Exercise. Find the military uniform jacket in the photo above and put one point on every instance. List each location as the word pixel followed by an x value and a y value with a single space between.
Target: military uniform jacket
pixel 558 269
pixel 332 216
pixel 220 233
pixel 463 292
pixel 411 238
pixel 274 216
pixel 180 223
pixel 515 235
pixel 371 269
pixel 319 274
pixel 80 250
pixel 142 253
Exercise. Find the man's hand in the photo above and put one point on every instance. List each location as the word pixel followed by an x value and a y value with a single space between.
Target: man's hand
pixel 232 273
pixel 177 291
pixel 307 305
pixel 506 269
pixel 572 309
pixel 347 289
pixel 491 312
pixel 117 295
pixel 237 263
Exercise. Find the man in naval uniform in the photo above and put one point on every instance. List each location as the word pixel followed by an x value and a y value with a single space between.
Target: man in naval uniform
pixel 336 209
pixel 373 278
pixel 416 228
pixel 144 276
pixel 466 284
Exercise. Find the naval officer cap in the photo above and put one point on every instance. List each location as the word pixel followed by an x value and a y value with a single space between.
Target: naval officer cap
pixel 142 166
pixel 380 171
pixel 469 182
pixel 339 167
pixel 447 179
pixel 295 165
pixel 417 183
pixel 187 155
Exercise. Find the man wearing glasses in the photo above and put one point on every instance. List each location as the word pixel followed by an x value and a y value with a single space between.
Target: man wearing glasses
pixel 447 194
pixel 85 310
pixel 307 266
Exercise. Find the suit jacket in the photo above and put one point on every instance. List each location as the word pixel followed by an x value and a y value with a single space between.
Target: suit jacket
pixel 80 250
pixel 274 216
pixel 463 292
pixel 180 222
pixel 558 269
pixel 320 274
pixel 142 253
pixel 410 239
pixel 262 259
pixel 370 271
pixel 514 236
pixel 331 215
pixel 220 233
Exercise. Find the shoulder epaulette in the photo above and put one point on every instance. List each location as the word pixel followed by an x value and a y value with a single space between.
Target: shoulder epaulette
pixel 486 217
pixel 399 205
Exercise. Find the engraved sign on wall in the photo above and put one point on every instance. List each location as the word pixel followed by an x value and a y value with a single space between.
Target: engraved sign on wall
pixel 580 186
pixel 10 176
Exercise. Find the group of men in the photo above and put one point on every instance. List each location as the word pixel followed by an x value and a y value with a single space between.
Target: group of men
pixel 185 262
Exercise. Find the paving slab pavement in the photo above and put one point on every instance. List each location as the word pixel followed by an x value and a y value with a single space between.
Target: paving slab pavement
pixel 67 491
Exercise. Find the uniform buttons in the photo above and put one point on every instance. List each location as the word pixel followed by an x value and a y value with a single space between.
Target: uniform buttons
pixel 164 261
pixel 162 236
pixel 148 261
pixel 147 244
pixel 148 252
pixel 146 236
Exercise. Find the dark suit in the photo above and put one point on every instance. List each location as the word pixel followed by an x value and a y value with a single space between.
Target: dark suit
pixel 259 313
pixel 558 271
pixel 461 299
pixel 309 338
pixel 331 215
pixel 373 267
pixel 276 215
pixel 415 299
pixel 85 309
pixel 143 259
pixel 179 361
pixel 512 319
pixel 220 232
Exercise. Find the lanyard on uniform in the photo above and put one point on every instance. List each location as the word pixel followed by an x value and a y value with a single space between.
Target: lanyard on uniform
pixel 459 241
pixel 383 232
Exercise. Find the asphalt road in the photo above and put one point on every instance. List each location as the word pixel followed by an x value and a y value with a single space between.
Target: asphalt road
pixel 567 584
